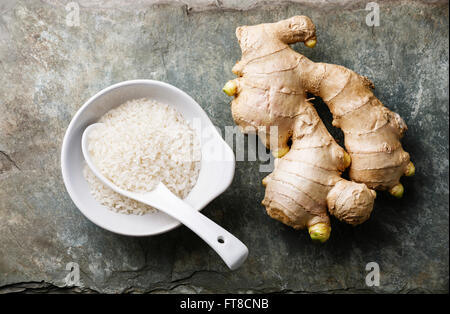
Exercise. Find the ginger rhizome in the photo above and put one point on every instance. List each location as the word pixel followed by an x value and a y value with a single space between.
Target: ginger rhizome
pixel 271 90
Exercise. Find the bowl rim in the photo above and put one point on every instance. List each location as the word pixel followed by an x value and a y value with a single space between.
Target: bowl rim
pixel 64 151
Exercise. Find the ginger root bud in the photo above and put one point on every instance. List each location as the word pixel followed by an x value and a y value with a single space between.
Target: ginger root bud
pixel 347 160
pixel 311 43
pixel 320 232
pixel 230 88
pixel 410 170
pixel 280 152
pixel 397 190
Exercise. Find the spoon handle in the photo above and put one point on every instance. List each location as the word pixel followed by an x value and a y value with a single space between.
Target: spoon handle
pixel 230 249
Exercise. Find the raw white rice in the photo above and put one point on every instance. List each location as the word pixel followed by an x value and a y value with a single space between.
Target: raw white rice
pixel 141 143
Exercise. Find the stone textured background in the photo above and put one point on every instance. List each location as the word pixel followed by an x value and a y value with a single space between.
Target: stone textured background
pixel 48 70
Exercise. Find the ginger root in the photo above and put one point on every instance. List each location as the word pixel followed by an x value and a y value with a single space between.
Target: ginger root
pixel 271 88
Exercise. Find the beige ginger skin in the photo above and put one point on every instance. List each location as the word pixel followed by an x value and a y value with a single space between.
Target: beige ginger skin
pixel 271 88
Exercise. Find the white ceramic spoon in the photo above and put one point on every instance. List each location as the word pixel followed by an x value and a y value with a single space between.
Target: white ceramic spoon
pixel 230 249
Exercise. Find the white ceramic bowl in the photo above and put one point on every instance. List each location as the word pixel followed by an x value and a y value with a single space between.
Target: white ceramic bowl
pixel 217 165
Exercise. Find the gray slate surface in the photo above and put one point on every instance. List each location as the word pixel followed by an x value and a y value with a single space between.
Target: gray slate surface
pixel 48 70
